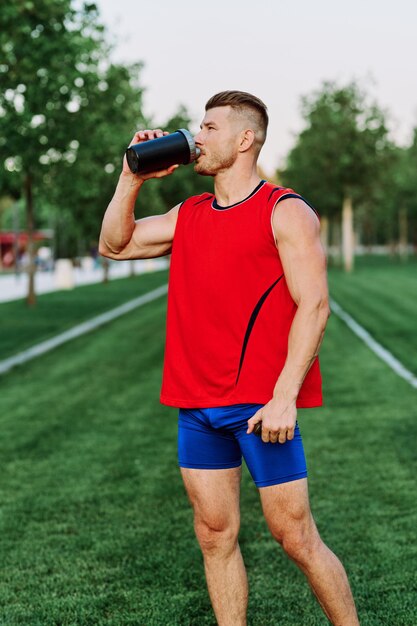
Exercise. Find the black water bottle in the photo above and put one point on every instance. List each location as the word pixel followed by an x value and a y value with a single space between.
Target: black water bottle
pixel 158 154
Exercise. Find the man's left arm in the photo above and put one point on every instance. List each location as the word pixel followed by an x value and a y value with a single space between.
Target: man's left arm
pixel 297 232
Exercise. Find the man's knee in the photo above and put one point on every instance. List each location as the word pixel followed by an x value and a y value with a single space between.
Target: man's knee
pixel 299 538
pixel 216 536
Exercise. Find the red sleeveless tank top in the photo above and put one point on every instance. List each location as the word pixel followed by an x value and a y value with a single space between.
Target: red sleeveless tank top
pixel 229 308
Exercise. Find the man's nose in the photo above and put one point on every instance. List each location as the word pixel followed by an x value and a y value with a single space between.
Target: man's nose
pixel 197 138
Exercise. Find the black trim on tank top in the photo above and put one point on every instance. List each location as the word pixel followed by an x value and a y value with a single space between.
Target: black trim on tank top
pixel 210 195
pixel 252 321
pixel 296 195
pixel 273 191
pixel 221 208
pixel 207 197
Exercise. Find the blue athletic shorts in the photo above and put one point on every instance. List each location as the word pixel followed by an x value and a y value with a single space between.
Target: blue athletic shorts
pixel 216 438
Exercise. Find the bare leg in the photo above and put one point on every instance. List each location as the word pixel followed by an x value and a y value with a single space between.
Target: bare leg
pixel 287 512
pixel 214 495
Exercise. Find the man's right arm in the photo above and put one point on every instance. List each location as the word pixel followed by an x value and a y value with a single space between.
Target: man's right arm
pixel 122 237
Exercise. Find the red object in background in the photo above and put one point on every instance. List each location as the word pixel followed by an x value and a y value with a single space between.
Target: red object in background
pixel 8 242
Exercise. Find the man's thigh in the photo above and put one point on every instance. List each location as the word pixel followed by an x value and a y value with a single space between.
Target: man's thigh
pixel 286 506
pixel 214 495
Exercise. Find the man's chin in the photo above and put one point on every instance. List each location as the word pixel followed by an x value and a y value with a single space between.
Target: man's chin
pixel 200 169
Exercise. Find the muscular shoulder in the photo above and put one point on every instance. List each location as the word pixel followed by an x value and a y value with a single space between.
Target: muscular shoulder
pixel 295 220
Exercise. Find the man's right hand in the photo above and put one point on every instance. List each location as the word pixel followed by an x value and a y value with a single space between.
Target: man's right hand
pixel 140 137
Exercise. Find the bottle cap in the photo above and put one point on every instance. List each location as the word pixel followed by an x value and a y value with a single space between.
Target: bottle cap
pixel 194 151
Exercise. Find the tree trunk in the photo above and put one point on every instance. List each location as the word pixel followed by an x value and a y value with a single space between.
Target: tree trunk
pixel 132 268
pixel 403 230
pixel 324 233
pixel 16 239
pixel 348 237
pixel 30 225
pixel 106 268
pixel 336 242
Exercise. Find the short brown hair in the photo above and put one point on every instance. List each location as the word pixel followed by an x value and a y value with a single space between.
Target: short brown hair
pixel 243 102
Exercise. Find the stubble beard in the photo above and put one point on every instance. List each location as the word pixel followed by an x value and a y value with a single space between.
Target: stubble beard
pixel 215 163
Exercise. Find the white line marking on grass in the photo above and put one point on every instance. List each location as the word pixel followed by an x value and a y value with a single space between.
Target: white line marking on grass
pixel 81 329
pixel 376 347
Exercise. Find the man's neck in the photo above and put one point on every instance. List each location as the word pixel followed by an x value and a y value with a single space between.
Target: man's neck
pixel 231 187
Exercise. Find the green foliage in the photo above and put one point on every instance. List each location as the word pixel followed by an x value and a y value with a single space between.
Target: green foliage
pixel 81 190
pixel 396 192
pixel 342 151
pixel 406 184
pixel 49 58
pixel 67 114
pixel 377 208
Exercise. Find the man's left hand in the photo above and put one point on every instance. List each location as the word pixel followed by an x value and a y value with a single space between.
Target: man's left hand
pixel 278 419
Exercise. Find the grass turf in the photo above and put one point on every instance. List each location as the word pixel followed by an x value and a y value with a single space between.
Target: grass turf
pixel 57 311
pixel 381 294
pixel 95 528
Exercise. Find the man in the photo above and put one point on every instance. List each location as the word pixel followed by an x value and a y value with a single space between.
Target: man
pixel 247 309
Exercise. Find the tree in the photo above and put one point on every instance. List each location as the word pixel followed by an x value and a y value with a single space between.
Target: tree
pixel 405 185
pixel 339 157
pixel 113 114
pixel 105 129
pixel 50 53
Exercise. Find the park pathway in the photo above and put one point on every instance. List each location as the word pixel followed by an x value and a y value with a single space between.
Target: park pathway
pixel 14 287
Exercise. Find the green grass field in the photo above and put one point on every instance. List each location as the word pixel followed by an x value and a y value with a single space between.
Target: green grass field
pixel 381 294
pixel 95 528
pixel 56 312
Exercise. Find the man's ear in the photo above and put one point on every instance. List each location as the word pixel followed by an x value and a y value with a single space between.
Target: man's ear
pixel 247 139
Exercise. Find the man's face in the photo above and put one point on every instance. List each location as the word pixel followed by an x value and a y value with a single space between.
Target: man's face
pixel 218 142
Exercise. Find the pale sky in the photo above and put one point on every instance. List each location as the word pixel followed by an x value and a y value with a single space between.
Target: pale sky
pixel 278 50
